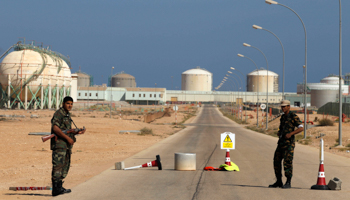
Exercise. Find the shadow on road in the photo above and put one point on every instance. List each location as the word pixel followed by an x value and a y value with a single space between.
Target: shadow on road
pixel 29 194
pixel 260 186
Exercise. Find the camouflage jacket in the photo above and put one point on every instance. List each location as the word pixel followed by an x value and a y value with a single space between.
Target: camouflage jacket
pixel 288 122
pixel 62 119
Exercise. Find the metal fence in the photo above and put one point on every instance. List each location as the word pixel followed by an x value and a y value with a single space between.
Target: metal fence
pixel 332 108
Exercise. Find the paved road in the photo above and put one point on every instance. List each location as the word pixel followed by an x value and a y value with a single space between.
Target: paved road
pixel 253 155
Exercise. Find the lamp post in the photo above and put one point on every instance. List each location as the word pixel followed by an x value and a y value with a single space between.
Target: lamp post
pixel 172 83
pixel 259 27
pixel 267 82
pixel 110 109
pixel 233 88
pixel 237 84
pixel 270 2
pixel 257 107
pixel 155 96
pixel 237 81
pixel 245 93
pixel 340 75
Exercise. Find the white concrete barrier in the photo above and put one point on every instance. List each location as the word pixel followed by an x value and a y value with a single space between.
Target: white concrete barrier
pixel 185 161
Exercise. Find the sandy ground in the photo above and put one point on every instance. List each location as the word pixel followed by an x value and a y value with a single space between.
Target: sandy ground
pixel 26 160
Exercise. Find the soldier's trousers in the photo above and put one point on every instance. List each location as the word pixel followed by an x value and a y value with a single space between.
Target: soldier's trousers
pixel 60 164
pixel 285 152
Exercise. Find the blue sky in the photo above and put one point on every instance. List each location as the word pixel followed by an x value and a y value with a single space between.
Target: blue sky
pixel 156 39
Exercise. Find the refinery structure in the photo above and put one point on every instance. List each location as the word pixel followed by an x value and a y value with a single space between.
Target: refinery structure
pixel 33 77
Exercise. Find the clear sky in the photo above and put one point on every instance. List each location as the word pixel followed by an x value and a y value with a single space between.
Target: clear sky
pixel 154 40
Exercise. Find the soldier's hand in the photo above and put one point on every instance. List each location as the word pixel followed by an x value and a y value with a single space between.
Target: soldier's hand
pixel 288 135
pixel 70 141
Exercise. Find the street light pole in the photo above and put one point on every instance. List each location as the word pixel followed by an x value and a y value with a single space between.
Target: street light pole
pixel 259 27
pixel 340 75
pixel 237 88
pixel 155 96
pixel 233 88
pixel 305 88
pixel 245 93
pixel 267 82
pixel 226 78
pixel 257 107
pixel 110 108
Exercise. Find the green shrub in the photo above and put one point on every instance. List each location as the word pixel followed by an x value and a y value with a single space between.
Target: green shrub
pixel 146 131
pixel 326 122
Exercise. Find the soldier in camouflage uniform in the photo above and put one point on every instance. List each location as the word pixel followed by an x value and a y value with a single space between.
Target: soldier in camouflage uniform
pixel 61 146
pixel 285 145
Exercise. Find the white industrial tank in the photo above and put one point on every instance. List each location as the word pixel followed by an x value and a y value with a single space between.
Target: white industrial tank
pixel 197 80
pixel 123 80
pixel 257 81
pixel 83 79
pixel 29 67
pixel 319 97
pixel 332 80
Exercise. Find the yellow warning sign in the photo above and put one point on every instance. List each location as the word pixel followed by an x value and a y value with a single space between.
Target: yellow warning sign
pixel 227 145
pixel 227 139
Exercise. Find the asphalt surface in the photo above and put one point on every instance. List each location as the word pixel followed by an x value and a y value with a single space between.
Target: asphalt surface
pixel 253 154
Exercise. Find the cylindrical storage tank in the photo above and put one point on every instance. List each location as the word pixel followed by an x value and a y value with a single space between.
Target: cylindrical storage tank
pixel 321 97
pixel 257 81
pixel 197 80
pixel 123 80
pixel 83 79
pixel 28 67
pixel 332 80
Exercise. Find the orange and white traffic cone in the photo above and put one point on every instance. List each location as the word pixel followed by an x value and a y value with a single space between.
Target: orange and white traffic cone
pixel 228 159
pixel 154 163
pixel 321 180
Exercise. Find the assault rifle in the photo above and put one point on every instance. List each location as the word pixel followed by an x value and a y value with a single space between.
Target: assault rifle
pixel 76 130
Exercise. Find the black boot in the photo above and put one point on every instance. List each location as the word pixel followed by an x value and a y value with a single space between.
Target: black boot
pixel 287 185
pixel 278 183
pixel 56 188
pixel 64 190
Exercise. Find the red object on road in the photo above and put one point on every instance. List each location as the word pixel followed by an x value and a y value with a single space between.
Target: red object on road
pixel 154 163
pixel 30 188
pixel 228 159
pixel 321 180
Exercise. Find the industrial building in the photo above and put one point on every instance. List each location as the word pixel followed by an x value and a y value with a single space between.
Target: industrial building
pixel 262 81
pixel 197 79
pixel 34 77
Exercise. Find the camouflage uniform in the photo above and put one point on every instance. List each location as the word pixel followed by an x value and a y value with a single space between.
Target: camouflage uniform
pixel 285 147
pixel 61 149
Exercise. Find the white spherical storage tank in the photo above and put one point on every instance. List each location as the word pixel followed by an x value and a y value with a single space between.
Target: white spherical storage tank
pixel 33 74
pixel 262 80
pixel 197 80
